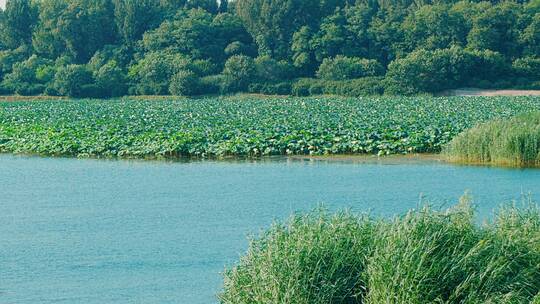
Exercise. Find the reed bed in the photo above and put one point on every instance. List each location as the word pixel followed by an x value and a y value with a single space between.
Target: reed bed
pixel 510 142
pixel 425 256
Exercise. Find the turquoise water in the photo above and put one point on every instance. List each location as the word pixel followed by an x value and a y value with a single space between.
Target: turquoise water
pixel 94 231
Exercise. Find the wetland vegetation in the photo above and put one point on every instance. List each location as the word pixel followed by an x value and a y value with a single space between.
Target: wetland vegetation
pixel 342 70
pixel 425 256
pixel 509 142
pixel 246 125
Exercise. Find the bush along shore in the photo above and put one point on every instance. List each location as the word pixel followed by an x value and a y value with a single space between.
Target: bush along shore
pixel 425 256
pixel 246 125
pixel 510 142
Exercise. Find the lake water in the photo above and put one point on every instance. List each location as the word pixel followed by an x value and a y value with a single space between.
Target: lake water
pixel 95 231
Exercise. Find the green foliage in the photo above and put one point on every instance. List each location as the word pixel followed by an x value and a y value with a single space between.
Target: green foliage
pixel 343 33
pixel 427 71
pixel 280 88
pixel 434 71
pixel 494 29
pixel 315 258
pixel 198 34
pixel 9 57
pixel 86 26
pixel 272 23
pixel 367 86
pixel 134 17
pixel 29 77
pixel 237 48
pixel 210 6
pixel 244 126
pixel 425 256
pixel 213 84
pixel 46 40
pixel 185 83
pixel 73 80
pixel 331 39
pixel 434 27
pixel 424 46
pixel 303 57
pixel 239 72
pixel 342 68
pixel 527 67
pixel 270 70
pixel 530 37
pixel 514 142
pixel 19 18
pixel 110 80
pixel 121 55
pixel 489 65
pixel 153 72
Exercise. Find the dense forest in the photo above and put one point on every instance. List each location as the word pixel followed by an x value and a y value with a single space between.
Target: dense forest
pixel 107 48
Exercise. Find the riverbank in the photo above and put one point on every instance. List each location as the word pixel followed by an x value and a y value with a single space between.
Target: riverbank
pixel 393 159
pixel 487 92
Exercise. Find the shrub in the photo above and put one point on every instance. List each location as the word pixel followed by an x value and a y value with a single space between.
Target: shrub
pixel 342 68
pixel 239 72
pixel 110 80
pixel 50 90
pixel 213 84
pixel 45 74
pixel 121 55
pixel 185 83
pixel 315 258
pixel 301 86
pixel 528 67
pixel 489 65
pixel 429 71
pixel 29 77
pixel 438 70
pixel 5 90
pixel 237 48
pixel 72 79
pixel 366 86
pixel 281 88
pixel 152 73
pixel 271 70
pixel 9 57
pixel 513 142
pixel 200 67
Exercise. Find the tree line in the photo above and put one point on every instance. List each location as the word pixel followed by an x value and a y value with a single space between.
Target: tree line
pixel 107 48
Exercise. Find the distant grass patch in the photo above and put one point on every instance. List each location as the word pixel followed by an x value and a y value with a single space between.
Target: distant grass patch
pixel 425 256
pixel 512 142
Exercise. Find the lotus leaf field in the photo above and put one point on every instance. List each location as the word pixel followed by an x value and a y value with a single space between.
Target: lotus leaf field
pixel 245 125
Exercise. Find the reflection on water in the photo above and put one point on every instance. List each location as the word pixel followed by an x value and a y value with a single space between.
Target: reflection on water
pixel 93 231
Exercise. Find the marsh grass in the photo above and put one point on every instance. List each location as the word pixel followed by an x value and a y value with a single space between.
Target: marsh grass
pixel 512 142
pixel 314 258
pixel 425 256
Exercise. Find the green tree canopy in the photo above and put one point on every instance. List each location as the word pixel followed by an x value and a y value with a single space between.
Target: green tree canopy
pixel 18 21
